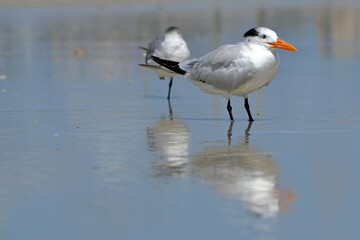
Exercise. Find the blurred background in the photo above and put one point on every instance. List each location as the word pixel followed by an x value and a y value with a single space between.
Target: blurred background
pixel 90 148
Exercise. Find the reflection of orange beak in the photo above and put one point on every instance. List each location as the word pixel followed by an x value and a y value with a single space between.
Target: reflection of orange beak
pixel 283 45
pixel 286 197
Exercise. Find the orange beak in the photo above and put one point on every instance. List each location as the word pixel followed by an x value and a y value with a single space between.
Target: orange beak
pixel 283 45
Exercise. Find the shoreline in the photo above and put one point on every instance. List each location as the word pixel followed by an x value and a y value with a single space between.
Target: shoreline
pixel 100 3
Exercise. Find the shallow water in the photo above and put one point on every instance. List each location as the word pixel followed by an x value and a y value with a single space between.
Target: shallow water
pixel 91 148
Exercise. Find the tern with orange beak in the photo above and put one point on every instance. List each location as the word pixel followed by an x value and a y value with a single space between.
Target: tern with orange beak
pixel 235 69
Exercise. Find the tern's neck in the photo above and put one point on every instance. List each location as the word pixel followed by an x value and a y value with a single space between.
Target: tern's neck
pixel 260 54
pixel 255 46
pixel 173 37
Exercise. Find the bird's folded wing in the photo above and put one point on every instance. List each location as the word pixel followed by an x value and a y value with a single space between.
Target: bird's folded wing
pixel 155 44
pixel 225 68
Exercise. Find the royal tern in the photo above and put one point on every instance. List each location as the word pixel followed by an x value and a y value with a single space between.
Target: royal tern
pixel 171 46
pixel 237 69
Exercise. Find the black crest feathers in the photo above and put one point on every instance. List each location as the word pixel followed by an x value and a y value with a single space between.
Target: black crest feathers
pixel 251 33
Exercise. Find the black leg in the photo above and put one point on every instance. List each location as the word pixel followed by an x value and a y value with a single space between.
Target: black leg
pixel 170 85
pixel 171 116
pixel 247 132
pixel 247 107
pixel 230 132
pixel 229 108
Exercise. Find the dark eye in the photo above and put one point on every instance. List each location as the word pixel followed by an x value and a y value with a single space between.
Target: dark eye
pixel 263 36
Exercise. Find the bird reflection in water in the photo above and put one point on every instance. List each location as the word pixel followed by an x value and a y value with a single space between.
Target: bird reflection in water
pixel 246 174
pixel 170 140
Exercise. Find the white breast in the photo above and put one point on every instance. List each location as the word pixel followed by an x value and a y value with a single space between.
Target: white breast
pixel 266 66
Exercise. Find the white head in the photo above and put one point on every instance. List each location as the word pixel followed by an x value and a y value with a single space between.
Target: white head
pixel 173 31
pixel 268 38
pixel 174 46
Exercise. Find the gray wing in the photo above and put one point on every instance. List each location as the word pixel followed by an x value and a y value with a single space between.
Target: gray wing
pixel 155 44
pixel 225 68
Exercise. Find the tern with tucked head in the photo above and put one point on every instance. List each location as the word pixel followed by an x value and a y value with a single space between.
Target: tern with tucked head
pixel 171 46
pixel 237 69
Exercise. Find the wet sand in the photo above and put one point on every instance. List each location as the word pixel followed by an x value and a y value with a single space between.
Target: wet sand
pixel 91 148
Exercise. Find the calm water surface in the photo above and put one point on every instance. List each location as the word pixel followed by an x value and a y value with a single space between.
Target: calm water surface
pixel 91 148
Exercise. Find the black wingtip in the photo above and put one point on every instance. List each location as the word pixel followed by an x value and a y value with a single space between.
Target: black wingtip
pixel 155 58
pixel 171 65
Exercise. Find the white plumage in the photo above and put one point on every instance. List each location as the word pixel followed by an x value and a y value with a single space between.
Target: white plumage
pixel 237 69
pixel 171 46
